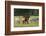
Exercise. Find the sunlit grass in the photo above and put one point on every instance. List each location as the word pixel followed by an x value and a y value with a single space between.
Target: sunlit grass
pixel 32 24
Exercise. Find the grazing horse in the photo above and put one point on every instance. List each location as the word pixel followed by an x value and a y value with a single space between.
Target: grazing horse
pixel 26 20
pixel 34 20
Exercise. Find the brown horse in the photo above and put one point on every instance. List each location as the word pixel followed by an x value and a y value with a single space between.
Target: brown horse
pixel 26 20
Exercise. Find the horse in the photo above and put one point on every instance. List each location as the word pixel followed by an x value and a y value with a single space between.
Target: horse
pixel 34 20
pixel 26 20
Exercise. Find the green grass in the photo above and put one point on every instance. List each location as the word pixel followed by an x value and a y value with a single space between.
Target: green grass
pixel 32 24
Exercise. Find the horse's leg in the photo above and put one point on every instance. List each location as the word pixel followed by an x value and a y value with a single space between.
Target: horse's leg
pixel 27 22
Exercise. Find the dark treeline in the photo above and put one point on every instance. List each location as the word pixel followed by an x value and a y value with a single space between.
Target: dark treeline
pixel 26 12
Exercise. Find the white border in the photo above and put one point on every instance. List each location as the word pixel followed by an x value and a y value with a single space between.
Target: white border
pixel 25 28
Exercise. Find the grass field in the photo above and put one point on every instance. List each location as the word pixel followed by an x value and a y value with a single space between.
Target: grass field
pixel 32 24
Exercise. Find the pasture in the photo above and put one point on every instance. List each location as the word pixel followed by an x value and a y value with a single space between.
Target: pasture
pixel 30 24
